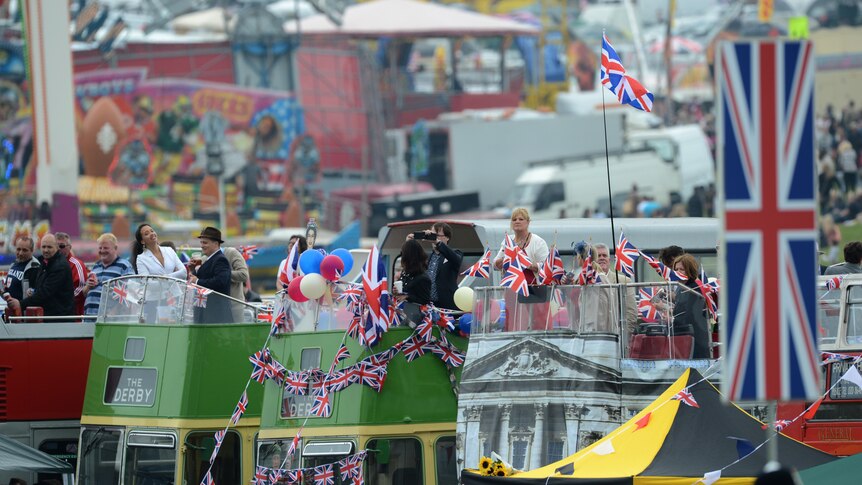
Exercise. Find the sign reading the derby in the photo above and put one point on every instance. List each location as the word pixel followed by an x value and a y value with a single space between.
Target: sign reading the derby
pixel 131 386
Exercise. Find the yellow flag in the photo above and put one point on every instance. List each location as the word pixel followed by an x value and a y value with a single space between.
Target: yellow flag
pixel 765 9
pixel 797 27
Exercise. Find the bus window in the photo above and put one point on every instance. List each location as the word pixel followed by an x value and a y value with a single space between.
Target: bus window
pixel 828 310
pixel 317 453
pixel 271 453
pixel 291 404
pixel 100 456
pixel 227 467
pixel 151 458
pixel 444 455
pixel 61 449
pixel 397 460
pixel 854 315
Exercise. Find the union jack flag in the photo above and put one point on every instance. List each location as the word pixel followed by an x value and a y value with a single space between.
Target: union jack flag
pixel 275 475
pixel 370 375
pixel 340 355
pixel 588 274
pixel 248 252
pixel 448 353
pixel 275 370
pixel 219 438
pixel 321 407
pixel 353 330
pixel 260 365
pixel 509 251
pixel 349 469
pixel 208 478
pixel 261 476
pixel 779 425
pixel 834 283
pixel 199 299
pixel 552 270
pixel 515 279
pixel 667 274
pixel 648 311
pixel 324 475
pixel 382 358
pixel 413 348
pixel 766 137
pixel 686 397
pixel 445 321
pixel 352 295
pixel 425 329
pixel 240 409
pixel 287 268
pixel 395 314
pixel 628 90
pixel 481 268
pixel 120 293
pixel 377 295
pixel 296 383
pixel 294 443
pixel 294 476
pixel 626 254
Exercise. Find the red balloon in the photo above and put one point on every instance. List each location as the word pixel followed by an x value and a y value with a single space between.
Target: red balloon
pixel 331 267
pixel 293 290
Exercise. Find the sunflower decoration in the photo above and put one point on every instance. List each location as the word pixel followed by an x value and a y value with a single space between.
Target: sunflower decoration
pixel 500 470
pixel 486 466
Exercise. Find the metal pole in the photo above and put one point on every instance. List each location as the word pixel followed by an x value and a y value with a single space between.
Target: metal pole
pixel 222 217
pixel 772 462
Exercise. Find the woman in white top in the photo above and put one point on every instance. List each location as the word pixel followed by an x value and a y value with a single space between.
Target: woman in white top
pixel 534 246
pixel 148 258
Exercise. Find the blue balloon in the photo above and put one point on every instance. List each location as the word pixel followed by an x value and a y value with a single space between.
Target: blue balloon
pixel 464 323
pixel 345 257
pixel 309 262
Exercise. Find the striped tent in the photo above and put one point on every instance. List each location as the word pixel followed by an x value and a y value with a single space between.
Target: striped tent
pixel 671 442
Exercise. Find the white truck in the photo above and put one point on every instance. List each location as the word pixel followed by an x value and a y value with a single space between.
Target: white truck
pixel 660 162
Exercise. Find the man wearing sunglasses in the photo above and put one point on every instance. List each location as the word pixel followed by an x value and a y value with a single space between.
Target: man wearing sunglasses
pixel 79 270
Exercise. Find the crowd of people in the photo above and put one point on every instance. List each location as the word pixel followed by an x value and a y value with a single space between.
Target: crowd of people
pixel 64 287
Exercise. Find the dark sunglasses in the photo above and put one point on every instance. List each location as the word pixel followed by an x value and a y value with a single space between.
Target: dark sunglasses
pixel 62 246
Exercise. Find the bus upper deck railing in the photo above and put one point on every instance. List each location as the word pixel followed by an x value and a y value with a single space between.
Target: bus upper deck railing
pixel 166 300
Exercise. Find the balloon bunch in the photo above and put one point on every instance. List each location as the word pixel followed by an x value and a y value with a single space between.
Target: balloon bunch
pixel 318 270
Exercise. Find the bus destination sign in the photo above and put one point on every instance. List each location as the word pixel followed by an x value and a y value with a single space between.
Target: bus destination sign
pixel 131 386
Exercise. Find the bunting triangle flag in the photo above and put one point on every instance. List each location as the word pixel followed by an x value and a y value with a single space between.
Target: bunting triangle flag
pixel 606 447
pixel 852 375
pixel 643 422
pixel 711 477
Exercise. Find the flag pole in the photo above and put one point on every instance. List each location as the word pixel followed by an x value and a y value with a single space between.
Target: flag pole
pixel 608 167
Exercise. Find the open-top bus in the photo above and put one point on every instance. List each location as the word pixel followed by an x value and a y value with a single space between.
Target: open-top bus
pixel 161 385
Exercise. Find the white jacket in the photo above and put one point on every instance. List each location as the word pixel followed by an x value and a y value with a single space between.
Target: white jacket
pixel 149 265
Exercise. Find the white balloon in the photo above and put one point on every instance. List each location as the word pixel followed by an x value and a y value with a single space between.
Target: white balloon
pixel 313 286
pixel 464 298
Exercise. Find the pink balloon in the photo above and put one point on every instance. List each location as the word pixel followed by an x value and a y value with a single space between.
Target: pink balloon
pixel 331 267
pixel 293 290
pixel 495 310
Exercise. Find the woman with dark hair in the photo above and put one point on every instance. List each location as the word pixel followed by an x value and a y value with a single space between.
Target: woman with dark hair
pixel 415 282
pixel 689 310
pixel 149 258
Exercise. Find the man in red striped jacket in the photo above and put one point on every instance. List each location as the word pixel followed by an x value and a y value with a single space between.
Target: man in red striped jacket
pixel 79 271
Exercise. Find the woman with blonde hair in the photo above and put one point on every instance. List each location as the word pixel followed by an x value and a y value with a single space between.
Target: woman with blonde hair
pixel 533 246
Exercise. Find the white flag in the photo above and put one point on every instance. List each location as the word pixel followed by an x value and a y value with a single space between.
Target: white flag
pixel 852 375
pixel 604 448
pixel 711 477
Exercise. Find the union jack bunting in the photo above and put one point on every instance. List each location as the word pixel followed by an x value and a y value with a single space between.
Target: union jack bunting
pixel 767 163
pixel 377 295
pixel 445 321
pixel 321 407
pixel 275 475
pixel 353 330
pixel 275 370
pixel 120 293
pixel 199 298
pixel 686 397
pixel 834 283
pixel 241 406
pixel 208 478
pixel 287 268
pixel 294 443
pixel 425 329
pixel 324 475
pixel 448 353
pixel 295 383
pixel 481 268
pixel 340 380
pixel 395 314
pixel 248 252
pixel 340 355
pixel 294 476
pixel 626 254
pixel 515 279
pixel 552 270
pixel 260 365
pixel 413 348
pixel 352 296
pixel 349 469
pixel 219 438
pixel 628 90
pixel 779 425
pixel 261 476
pixel 382 358
pixel 370 375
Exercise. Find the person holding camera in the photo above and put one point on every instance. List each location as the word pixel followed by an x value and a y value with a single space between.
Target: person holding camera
pixel 444 264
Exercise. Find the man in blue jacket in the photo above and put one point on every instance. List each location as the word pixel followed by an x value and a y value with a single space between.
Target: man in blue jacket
pixel 213 274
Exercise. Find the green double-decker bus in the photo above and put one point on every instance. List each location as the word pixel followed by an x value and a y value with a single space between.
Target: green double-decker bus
pixel 161 385
pixel 407 428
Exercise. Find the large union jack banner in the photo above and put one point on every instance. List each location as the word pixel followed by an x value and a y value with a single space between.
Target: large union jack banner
pixel 766 172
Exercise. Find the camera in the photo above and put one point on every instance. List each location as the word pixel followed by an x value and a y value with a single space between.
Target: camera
pixel 421 235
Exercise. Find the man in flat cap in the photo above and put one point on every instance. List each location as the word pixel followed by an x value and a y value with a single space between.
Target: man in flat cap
pixel 213 274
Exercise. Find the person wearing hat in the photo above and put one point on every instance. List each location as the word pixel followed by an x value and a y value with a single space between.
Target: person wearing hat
pixel 213 274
